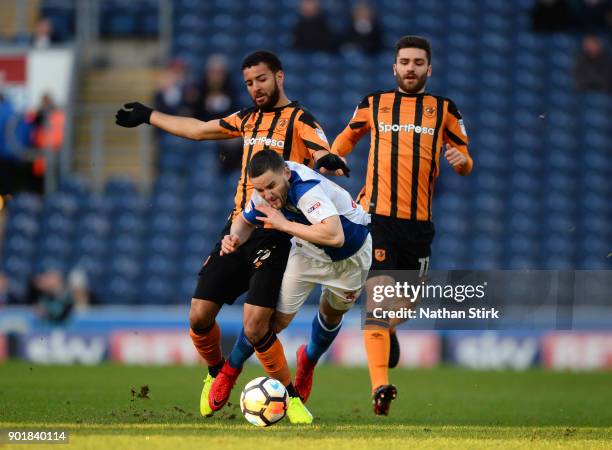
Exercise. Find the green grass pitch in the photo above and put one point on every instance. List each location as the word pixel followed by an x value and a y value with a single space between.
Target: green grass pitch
pixel 439 408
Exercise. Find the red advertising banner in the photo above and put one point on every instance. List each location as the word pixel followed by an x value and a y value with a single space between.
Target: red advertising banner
pixel 577 351
pixel 418 349
pixel 152 347
pixel 13 69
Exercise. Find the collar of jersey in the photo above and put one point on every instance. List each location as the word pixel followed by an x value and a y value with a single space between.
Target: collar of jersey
pixel 293 103
pixel 397 91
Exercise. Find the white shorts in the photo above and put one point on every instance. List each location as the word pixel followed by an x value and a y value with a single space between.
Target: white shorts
pixel 341 281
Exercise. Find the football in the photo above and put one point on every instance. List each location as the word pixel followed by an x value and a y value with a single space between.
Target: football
pixel 264 401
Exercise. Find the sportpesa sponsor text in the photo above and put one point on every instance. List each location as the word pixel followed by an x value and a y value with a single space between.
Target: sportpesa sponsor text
pixel 264 141
pixel 386 128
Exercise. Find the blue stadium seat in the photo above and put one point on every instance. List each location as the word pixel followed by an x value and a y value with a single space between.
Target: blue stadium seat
pixel 22 223
pixel 119 290
pixel 489 225
pixel 57 223
pixel 129 222
pixel 125 244
pixel 523 182
pixel 18 266
pixel 156 290
pixel 93 265
pixel 187 285
pixel 528 42
pixel 18 244
pixel 525 157
pixel 93 222
pixel 125 267
pixel 26 203
pixel 89 244
pixel 559 200
pixel 595 203
pixel 524 223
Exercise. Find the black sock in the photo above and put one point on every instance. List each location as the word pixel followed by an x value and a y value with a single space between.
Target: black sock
pixel 214 370
pixel 291 390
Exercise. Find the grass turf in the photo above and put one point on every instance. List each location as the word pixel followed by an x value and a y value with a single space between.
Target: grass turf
pixel 102 407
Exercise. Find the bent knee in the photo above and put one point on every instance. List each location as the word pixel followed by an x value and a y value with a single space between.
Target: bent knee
pixel 281 321
pixel 277 327
pixel 256 329
pixel 202 314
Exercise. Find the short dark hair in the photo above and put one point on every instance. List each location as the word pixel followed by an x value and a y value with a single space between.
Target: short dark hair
pixel 262 56
pixel 413 42
pixel 265 160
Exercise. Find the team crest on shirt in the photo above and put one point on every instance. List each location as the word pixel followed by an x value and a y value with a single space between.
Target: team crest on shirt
pixel 380 254
pixel 384 109
pixel 262 255
pixel 248 127
pixel 430 111
pixel 281 124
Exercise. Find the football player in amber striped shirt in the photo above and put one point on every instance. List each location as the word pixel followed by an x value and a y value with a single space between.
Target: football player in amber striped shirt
pixel 409 130
pixel 275 123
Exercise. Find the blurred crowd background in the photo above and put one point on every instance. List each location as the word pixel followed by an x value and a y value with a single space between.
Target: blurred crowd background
pixel 95 214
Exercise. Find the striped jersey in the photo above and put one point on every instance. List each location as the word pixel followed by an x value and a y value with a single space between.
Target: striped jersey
pixel 290 130
pixel 407 134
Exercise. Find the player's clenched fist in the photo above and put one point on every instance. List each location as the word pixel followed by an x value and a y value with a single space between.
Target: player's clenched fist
pixel 455 157
pixel 133 114
pixel 229 244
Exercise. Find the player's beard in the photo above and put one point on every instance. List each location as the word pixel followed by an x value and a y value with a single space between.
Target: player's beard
pixel 272 100
pixel 403 83
pixel 283 194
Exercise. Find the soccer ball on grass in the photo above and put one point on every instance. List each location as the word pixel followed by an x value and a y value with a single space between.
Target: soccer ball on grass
pixel 264 401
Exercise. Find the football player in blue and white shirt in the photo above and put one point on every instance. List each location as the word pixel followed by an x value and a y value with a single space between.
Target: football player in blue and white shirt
pixel 332 247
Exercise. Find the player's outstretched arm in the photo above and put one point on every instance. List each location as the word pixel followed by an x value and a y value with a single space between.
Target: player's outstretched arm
pixel 357 127
pixel 135 114
pixel 327 232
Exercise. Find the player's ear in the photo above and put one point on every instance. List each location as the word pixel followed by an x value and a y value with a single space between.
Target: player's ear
pixel 287 172
pixel 280 77
pixel 394 69
pixel 429 71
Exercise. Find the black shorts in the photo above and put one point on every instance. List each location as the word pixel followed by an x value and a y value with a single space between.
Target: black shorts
pixel 400 244
pixel 257 267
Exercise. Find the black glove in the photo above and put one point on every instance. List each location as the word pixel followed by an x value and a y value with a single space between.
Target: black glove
pixel 133 115
pixel 332 163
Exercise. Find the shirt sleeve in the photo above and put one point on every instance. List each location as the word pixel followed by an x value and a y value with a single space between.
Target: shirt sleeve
pixel 250 213
pixel 357 127
pixel 455 135
pixel 230 125
pixel 311 134
pixel 316 205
